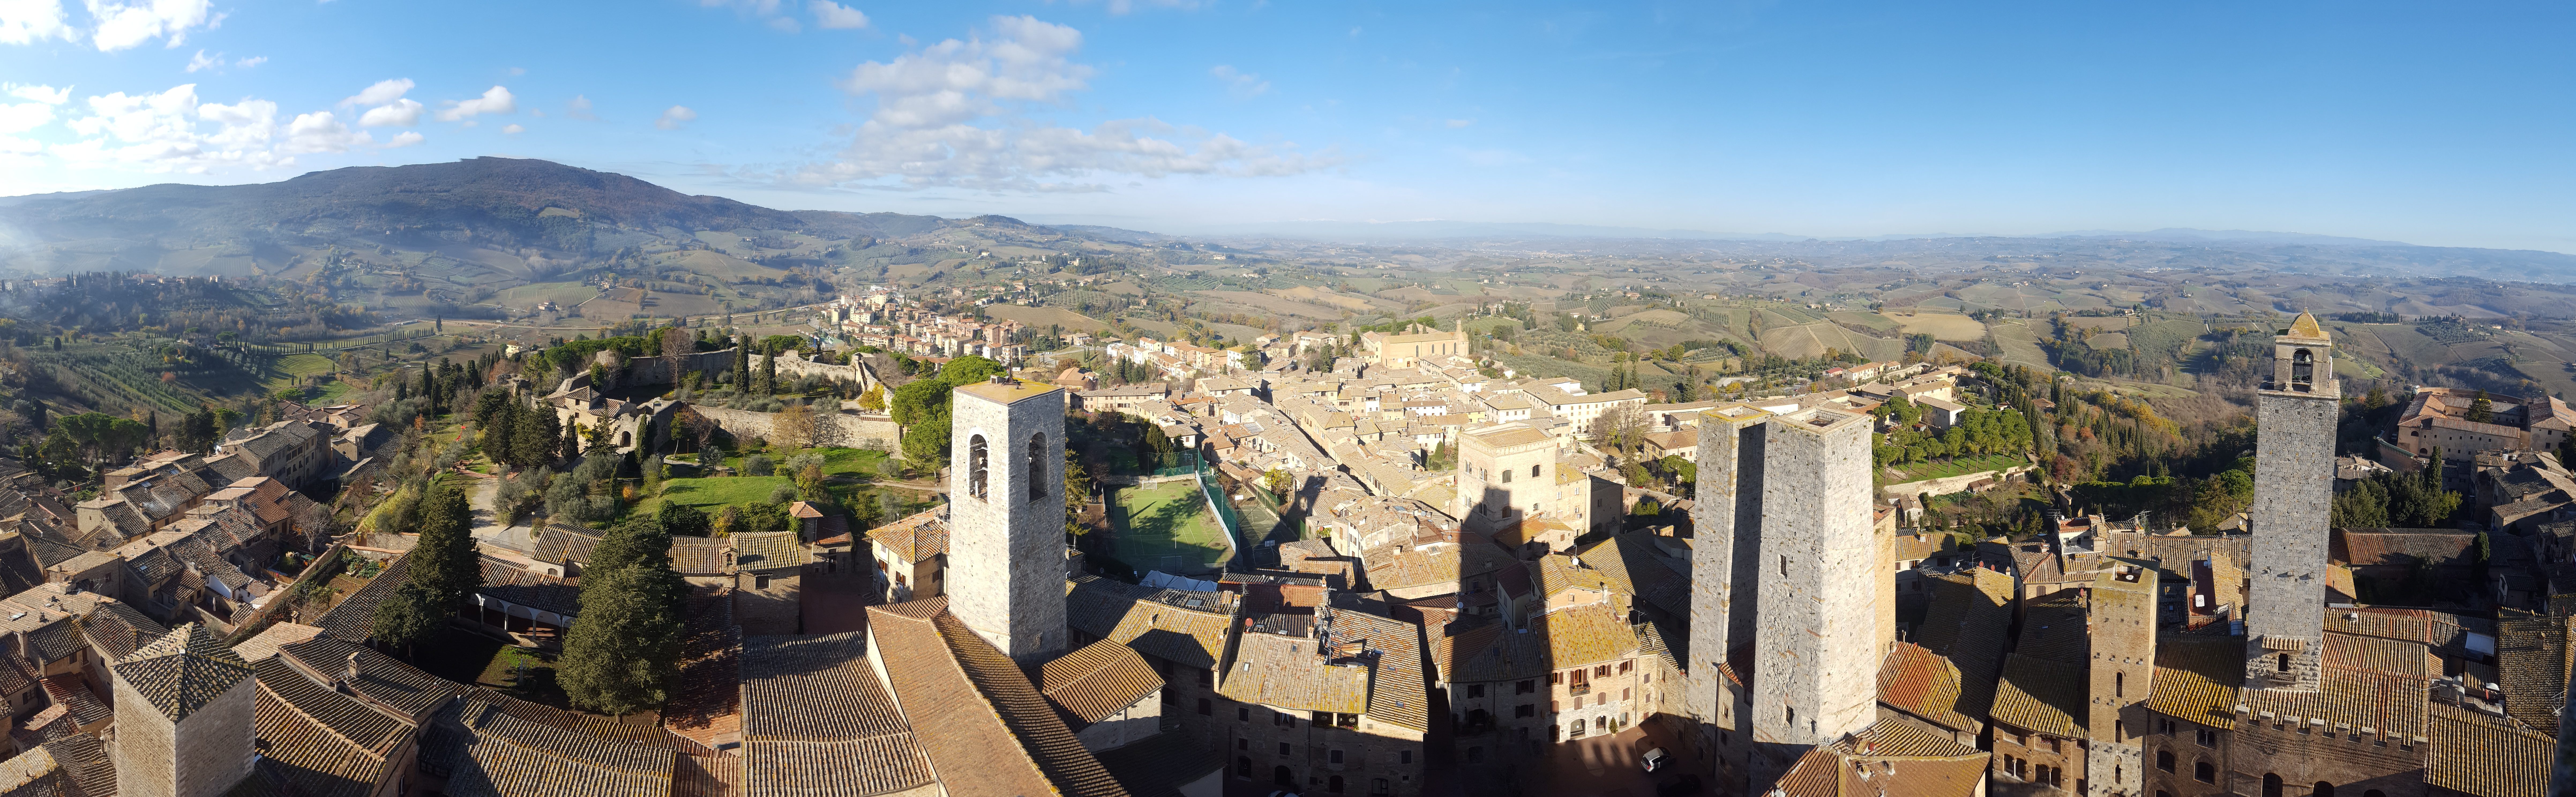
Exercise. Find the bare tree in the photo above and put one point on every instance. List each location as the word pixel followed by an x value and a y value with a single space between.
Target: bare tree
pixel 677 348
pixel 794 428
pixel 1622 428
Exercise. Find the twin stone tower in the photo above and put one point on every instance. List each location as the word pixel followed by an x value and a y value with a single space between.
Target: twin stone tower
pixel 1788 576
pixel 1786 562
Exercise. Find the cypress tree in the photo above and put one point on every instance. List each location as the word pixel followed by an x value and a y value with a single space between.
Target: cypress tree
pixel 571 442
pixel 444 569
pixel 769 371
pixel 742 364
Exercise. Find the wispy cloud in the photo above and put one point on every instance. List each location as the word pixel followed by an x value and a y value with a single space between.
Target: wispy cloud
pixel 1240 84
pixel 958 114
pixel 675 117
pixel 495 100
pixel 834 16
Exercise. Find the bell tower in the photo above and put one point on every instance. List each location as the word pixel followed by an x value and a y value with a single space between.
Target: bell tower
pixel 2293 497
pixel 1006 515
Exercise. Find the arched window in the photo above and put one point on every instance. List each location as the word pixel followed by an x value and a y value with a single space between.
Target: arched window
pixel 2202 772
pixel 977 463
pixel 2271 785
pixel 2323 789
pixel 2303 369
pixel 1280 775
pixel 2164 760
pixel 1037 466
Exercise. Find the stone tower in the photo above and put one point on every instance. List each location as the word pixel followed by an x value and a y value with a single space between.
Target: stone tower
pixel 1006 515
pixel 184 717
pixel 1727 522
pixel 1815 651
pixel 2293 493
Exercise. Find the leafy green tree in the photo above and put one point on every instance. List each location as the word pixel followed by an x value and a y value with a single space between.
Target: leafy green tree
pixel 408 617
pixel 682 520
pixel 2481 410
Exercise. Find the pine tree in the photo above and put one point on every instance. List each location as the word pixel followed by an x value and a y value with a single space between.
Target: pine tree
pixel 443 569
pixel 622 652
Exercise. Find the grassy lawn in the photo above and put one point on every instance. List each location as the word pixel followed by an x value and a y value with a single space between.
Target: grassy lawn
pixel 1165 527
pixel 1942 469
pixel 716 491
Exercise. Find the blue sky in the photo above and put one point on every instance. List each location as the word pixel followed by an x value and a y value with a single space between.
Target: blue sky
pixel 2445 124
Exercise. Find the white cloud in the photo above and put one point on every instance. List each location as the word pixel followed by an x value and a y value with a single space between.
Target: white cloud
pixel 24 116
pixel 399 113
pixel 382 92
pixel 167 131
pixel 404 139
pixel 30 21
pixel 1129 6
pixel 514 130
pixel 252 61
pixel 201 62
pixel 495 100
pixel 1458 123
pixel 128 25
pixel 834 16
pixel 579 108
pixel 1240 84
pixel 675 117
pixel 44 94
pixel 953 114
pixel 319 131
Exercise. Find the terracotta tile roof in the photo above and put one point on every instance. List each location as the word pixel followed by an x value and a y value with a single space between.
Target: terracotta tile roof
pixel 2532 667
pixel 817 722
pixel 915 538
pixel 1405 565
pixel 1399 693
pixel 698 556
pixel 558 543
pixel 320 742
pixel 1565 638
pixel 1924 684
pixel 382 679
pixel 2198 678
pixel 1156 622
pixel 767 550
pixel 2349 699
pixel 1097 680
pixel 1897 737
pixel 997 735
pixel 2485 756
pixel 182 671
pixel 1293 673
pixel 73 766
pixel 354 618
pixel 517 585
pixel 2404 547
pixel 1843 769
pixel 592 727
pixel 486 751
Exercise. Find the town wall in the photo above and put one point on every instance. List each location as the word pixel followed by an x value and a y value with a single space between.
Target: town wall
pixel 843 429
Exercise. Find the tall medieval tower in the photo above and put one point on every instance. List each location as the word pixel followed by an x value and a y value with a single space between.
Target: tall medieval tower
pixel 1006 515
pixel 2293 495
pixel 1784 566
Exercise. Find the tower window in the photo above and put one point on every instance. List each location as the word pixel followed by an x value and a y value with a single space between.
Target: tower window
pixel 977 461
pixel 1507 477
pixel 2303 369
pixel 1533 471
pixel 2284 662
pixel 1037 466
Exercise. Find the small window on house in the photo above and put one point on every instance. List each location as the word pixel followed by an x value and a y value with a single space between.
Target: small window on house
pixel 760 582
pixel 1283 748
pixel 1403 756
pixel 1507 477
pixel 1334 756
pixel 1476 690
pixel 1525 687
pixel 1525 710
pixel 1242 714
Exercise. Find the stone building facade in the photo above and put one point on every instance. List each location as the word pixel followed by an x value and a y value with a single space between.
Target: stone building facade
pixel 1006 519
pixel 1727 519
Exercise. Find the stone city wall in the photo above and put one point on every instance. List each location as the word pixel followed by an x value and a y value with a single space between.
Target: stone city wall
pixel 842 429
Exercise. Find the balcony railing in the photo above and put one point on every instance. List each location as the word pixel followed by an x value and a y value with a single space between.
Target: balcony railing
pixel 1579 689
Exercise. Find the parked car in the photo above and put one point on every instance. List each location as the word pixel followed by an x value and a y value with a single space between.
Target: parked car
pixel 1655 759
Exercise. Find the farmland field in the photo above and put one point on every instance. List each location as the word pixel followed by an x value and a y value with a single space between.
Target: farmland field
pixel 1941 326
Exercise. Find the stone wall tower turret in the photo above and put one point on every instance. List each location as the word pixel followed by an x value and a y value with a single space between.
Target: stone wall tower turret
pixel 1006 515
pixel 2293 497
